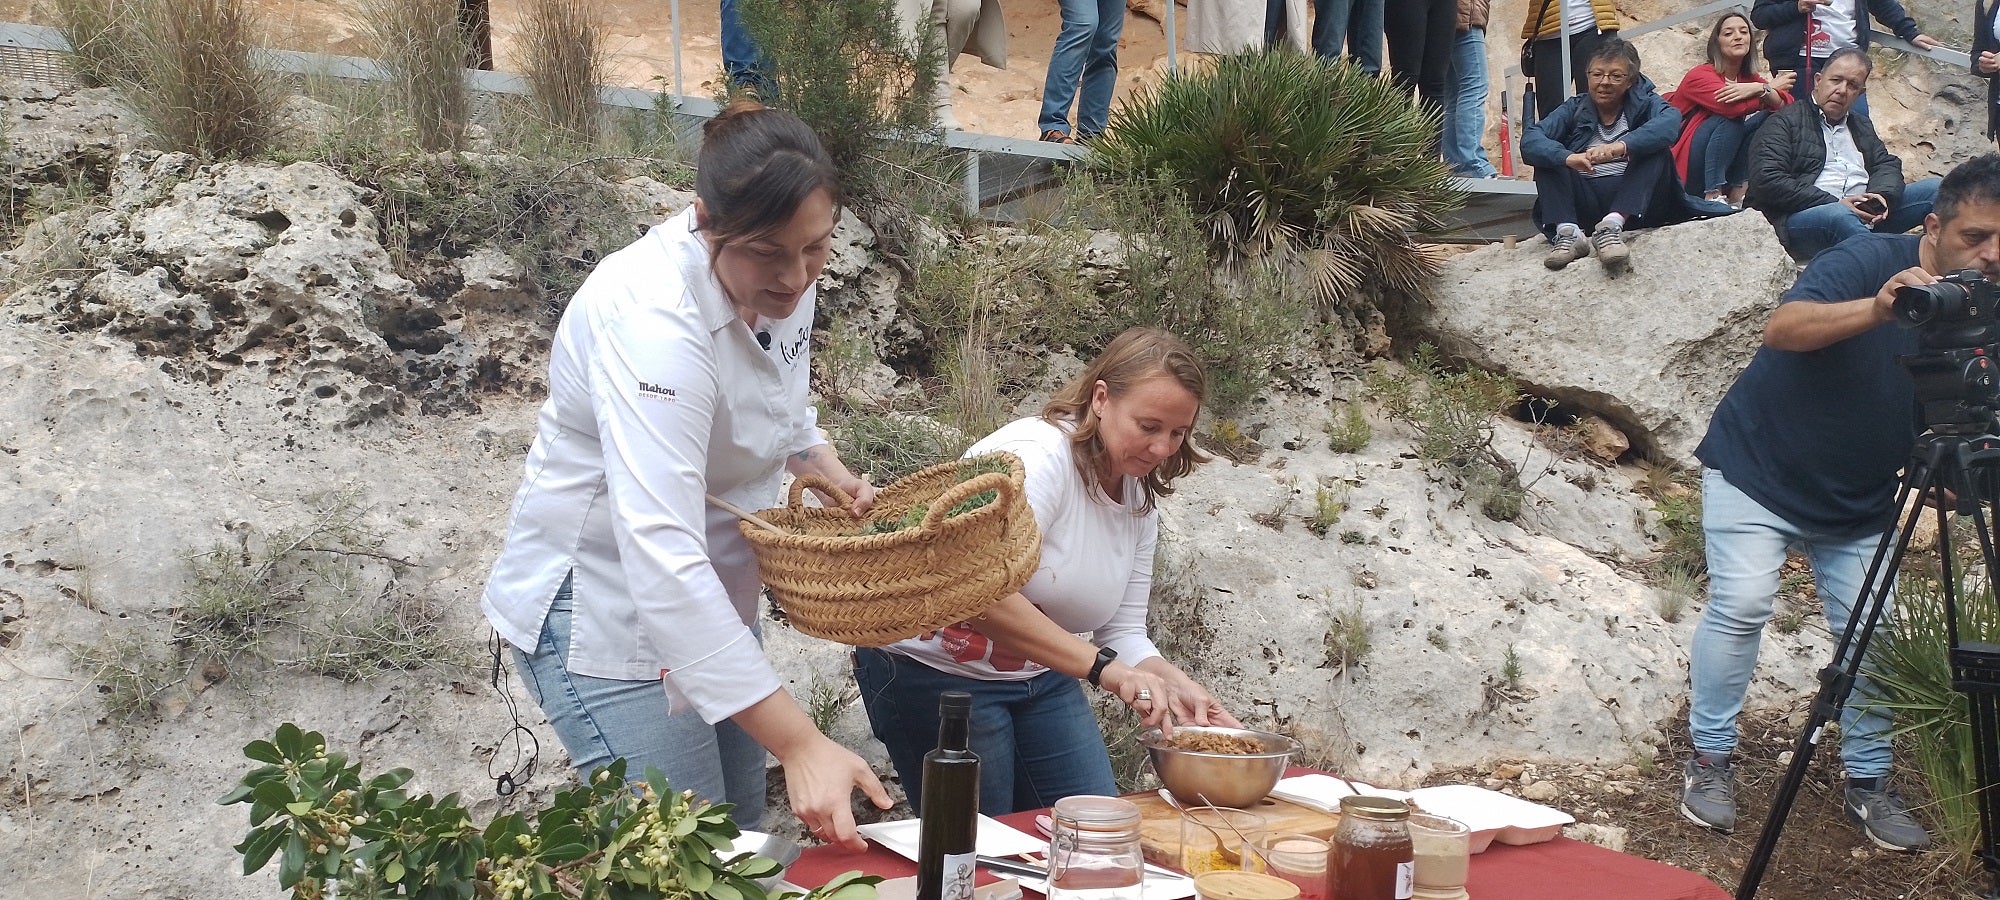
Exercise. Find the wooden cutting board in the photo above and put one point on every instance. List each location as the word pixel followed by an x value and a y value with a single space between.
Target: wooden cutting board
pixel 1160 824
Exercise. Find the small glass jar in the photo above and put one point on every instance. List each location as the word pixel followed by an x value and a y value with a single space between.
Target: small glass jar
pixel 1094 850
pixel 1371 850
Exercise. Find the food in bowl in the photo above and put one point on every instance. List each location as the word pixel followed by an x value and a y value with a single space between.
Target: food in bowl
pixel 1205 777
pixel 1211 742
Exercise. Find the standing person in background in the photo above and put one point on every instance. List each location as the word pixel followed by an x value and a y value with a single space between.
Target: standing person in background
pixel 680 369
pixel 1083 69
pixel 1097 460
pixel 1986 59
pixel 1465 95
pixel 1836 25
pixel 1420 44
pixel 1587 22
pixel 741 60
pixel 1352 27
pixel 1721 102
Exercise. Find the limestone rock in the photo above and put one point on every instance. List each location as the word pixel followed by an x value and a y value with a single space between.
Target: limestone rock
pixel 1650 351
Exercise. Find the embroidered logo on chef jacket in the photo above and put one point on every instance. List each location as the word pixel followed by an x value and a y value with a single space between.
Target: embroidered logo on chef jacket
pixel 796 347
pixel 657 392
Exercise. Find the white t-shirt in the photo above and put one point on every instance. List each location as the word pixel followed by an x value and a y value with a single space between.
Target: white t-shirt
pixel 658 393
pixel 1578 16
pixel 1096 571
pixel 1833 28
pixel 1846 171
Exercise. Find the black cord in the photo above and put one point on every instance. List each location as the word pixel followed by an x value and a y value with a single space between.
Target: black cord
pixel 521 736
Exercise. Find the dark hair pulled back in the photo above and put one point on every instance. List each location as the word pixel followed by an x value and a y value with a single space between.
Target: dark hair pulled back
pixel 755 167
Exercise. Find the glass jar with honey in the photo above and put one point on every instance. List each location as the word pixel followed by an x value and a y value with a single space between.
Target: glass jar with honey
pixel 1372 859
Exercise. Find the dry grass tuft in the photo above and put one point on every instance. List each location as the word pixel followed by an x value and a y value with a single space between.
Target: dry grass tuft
pixel 194 81
pixel 100 35
pixel 562 48
pixel 424 47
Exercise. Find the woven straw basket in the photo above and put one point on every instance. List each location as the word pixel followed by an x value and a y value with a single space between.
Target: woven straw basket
pixel 876 589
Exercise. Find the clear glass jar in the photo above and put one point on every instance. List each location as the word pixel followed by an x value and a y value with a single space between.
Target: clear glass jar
pixel 1094 850
pixel 1372 859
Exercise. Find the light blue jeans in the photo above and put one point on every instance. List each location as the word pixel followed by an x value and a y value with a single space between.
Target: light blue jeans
pixel 1809 231
pixel 602 719
pixel 1465 107
pixel 1746 545
pixel 1037 740
pixel 1085 62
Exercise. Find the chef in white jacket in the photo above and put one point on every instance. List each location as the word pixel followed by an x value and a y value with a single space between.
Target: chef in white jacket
pixel 680 369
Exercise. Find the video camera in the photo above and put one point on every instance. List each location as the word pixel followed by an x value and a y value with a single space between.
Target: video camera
pixel 1957 381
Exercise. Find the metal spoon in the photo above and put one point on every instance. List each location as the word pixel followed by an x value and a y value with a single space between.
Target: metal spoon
pixel 1246 845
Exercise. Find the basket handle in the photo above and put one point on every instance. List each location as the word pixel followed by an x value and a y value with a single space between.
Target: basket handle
pixel 964 490
pixel 741 513
pixel 796 499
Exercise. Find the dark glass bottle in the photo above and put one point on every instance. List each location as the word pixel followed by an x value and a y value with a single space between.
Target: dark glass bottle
pixel 945 853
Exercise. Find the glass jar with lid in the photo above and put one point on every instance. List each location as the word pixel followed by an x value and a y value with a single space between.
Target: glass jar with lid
pixel 1094 849
pixel 1371 850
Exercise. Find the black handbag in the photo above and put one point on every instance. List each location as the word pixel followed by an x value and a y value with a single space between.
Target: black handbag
pixel 1528 46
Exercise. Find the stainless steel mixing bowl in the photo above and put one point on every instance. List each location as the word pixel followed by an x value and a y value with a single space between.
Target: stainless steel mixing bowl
pixel 1225 779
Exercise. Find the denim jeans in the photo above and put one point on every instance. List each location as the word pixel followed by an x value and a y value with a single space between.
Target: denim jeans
pixel 1809 231
pixel 1037 740
pixel 1719 155
pixel 1746 545
pixel 1350 26
pixel 1465 107
pixel 740 57
pixel 1083 67
pixel 602 719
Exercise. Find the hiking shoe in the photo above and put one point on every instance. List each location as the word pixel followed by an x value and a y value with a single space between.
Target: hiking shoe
pixel 1883 817
pixel 1609 242
pixel 1708 792
pixel 1565 249
pixel 1054 136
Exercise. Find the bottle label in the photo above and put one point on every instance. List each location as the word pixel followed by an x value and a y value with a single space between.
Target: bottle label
pixel 958 869
pixel 1406 882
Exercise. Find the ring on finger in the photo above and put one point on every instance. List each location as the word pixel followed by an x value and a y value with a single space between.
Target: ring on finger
pixel 1144 694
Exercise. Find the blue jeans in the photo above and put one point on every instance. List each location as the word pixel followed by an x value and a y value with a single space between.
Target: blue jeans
pixel 1084 61
pixel 1809 231
pixel 1719 155
pixel 1746 545
pixel 740 57
pixel 602 719
pixel 1465 107
pixel 1350 26
pixel 1037 740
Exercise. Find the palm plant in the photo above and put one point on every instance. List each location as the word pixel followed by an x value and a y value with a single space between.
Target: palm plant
pixel 1285 156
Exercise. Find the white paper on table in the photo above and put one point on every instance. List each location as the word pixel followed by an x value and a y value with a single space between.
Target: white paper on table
pixel 1323 792
pixel 993 838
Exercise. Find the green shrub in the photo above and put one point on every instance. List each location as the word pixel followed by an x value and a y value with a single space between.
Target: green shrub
pixel 1349 431
pixel 886 446
pixel 1285 156
pixel 422 45
pixel 192 79
pixel 849 70
pixel 1915 677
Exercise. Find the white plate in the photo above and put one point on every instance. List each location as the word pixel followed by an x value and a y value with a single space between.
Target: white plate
pixel 992 839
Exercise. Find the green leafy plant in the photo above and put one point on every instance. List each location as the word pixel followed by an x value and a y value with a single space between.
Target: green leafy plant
pixel 972 468
pixel 1348 639
pixel 1452 411
pixel 1328 504
pixel 1349 430
pixel 324 822
pixel 1287 156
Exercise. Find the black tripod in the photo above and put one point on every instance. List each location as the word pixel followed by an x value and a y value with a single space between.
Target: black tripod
pixel 1955 464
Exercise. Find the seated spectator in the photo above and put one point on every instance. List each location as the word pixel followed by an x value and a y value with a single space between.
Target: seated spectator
pixel 1722 102
pixel 1832 25
pixel 1820 174
pixel 1602 157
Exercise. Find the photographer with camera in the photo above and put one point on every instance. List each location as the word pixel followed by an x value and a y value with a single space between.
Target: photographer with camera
pixel 1821 175
pixel 1804 451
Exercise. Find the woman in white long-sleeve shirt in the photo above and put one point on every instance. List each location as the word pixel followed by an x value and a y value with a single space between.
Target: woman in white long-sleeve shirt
pixel 1104 449
pixel 680 369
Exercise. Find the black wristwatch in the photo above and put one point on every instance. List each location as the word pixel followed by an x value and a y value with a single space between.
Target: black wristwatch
pixel 1104 657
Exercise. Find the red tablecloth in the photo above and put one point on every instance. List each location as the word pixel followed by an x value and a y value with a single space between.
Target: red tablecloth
pixel 1561 869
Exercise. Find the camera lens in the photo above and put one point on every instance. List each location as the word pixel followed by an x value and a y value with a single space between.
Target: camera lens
pixel 1921 303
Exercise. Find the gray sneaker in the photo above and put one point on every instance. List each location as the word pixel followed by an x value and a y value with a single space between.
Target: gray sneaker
pixel 1883 817
pixel 1609 243
pixel 1565 249
pixel 1708 793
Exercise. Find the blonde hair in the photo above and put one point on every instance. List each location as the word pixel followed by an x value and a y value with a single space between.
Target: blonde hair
pixel 1131 357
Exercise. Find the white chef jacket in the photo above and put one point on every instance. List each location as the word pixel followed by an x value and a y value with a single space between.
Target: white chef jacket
pixel 658 393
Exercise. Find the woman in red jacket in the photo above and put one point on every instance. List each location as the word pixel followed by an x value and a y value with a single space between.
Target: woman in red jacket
pixel 1721 102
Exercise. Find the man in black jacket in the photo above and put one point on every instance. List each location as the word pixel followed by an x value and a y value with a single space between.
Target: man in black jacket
pixel 1834 25
pixel 1820 174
